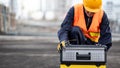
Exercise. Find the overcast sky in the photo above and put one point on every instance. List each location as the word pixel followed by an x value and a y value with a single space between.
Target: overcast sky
pixel 37 1
pixel 34 5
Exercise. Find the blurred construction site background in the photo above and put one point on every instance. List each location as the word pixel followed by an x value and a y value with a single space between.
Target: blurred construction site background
pixel 25 17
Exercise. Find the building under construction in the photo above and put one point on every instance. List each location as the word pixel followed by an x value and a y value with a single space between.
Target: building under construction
pixel 7 20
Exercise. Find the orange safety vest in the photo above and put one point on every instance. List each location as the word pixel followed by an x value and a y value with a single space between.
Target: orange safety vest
pixel 93 32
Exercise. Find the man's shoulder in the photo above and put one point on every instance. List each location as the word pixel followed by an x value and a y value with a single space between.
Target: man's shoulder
pixel 78 4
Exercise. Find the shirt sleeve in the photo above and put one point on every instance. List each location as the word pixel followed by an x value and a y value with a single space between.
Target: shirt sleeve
pixel 66 25
pixel 105 32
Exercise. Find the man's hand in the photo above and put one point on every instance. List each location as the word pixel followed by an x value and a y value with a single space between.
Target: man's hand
pixel 61 44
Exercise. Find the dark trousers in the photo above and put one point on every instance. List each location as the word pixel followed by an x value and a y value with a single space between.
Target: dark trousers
pixel 76 37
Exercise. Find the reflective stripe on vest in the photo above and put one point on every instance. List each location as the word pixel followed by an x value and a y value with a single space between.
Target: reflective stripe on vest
pixel 93 32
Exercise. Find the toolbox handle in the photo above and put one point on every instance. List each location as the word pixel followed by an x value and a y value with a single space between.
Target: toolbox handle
pixel 83 56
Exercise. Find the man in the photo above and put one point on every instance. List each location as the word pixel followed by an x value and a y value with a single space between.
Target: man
pixel 85 24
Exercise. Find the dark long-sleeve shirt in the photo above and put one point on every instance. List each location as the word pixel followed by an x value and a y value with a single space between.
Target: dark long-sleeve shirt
pixel 105 33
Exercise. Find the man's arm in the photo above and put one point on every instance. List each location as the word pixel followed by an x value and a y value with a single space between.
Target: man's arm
pixel 66 25
pixel 105 32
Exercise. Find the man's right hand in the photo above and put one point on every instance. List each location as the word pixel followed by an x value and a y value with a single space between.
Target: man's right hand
pixel 61 44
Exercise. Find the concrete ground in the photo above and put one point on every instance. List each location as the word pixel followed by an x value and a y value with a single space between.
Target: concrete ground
pixel 38 53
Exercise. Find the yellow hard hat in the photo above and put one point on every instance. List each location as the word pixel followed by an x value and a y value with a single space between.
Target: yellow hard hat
pixel 92 5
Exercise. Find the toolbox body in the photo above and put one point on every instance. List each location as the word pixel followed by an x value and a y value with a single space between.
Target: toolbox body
pixel 83 56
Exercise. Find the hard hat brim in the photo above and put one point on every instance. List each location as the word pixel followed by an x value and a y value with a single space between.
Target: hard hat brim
pixel 92 10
